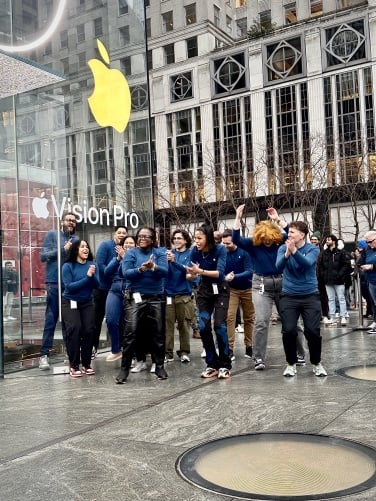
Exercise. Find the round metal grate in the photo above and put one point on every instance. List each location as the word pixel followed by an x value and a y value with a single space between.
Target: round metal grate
pixel 280 466
pixel 365 372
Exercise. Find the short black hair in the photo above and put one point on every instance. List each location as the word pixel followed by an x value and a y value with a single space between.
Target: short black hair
pixel 227 233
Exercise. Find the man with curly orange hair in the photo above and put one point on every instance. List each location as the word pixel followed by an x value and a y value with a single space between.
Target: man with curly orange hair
pixel 267 281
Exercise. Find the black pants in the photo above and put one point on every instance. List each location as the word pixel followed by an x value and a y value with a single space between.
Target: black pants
pixel 145 320
pixel 79 324
pixel 309 307
pixel 100 296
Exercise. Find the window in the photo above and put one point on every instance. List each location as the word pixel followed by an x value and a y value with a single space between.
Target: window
pixel 192 49
pixel 265 18
pixel 290 13
pixel 148 27
pixel 229 24
pixel 345 43
pixel 190 14
pixel 284 59
pixel 48 49
pixel 181 87
pixel 316 7
pixel 217 16
pixel 167 22
pixel 82 59
pixel 123 7
pixel 149 59
pixel 241 27
pixel 139 97
pixel 98 27
pixel 169 53
pixel 65 63
pixel 80 33
pixel 124 35
pixel 229 73
pixel 64 39
pixel 126 66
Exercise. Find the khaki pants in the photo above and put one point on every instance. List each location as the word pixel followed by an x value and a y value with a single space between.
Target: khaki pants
pixel 179 310
pixel 244 299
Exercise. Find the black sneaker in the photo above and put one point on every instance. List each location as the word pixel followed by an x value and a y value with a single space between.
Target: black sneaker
pixel 161 373
pixel 231 355
pixel 259 364
pixel 121 378
pixel 248 352
pixel 300 362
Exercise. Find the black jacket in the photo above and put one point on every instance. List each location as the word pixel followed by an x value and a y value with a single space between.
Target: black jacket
pixel 334 266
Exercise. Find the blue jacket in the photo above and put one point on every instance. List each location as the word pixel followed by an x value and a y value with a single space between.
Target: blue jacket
pixel 263 257
pixel 49 253
pixel 78 286
pixel 216 260
pixel 149 282
pixel 299 269
pixel 368 256
pixel 240 262
pixel 177 283
pixel 105 253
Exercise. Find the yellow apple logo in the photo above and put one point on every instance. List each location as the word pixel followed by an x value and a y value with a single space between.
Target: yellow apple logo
pixel 110 103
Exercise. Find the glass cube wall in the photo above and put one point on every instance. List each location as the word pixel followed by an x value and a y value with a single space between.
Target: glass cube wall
pixel 68 146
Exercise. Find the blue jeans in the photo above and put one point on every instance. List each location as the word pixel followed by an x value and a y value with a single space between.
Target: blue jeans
pixel 339 291
pixel 309 307
pixel 372 293
pixel 115 315
pixel 51 318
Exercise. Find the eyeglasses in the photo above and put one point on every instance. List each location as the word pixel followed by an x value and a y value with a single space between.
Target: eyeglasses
pixel 178 238
pixel 144 237
pixel 370 241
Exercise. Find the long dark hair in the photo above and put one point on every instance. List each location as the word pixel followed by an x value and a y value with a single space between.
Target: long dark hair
pixel 73 252
pixel 209 233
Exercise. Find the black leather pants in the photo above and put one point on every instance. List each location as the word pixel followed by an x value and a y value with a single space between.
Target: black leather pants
pixel 145 320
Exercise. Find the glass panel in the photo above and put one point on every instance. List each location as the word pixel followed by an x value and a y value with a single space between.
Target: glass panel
pixel 60 151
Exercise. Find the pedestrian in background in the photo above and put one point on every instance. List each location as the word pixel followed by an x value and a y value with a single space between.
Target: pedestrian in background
pixel 10 288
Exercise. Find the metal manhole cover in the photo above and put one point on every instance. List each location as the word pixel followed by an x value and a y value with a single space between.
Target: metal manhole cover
pixel 365 372
pixel 280 466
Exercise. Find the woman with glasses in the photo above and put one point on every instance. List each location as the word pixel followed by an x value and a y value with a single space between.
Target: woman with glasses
pixel 208 261
pixel 367 263
pixel 145 269
pixel 179 296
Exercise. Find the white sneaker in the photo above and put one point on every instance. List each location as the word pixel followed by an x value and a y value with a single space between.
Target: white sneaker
pixel 239 329
pixel 185 359
pixel 337 315
pixel 328 321
pixel 290 370
pixel 203 353
pixel 372 326
pixel 152 368
pixel 44 363
pixel 140 366
pixel 12 318
pixel 319 370
pixel 343 321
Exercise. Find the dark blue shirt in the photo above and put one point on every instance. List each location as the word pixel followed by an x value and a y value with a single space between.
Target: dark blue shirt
pixel 78 286
pixel 49 253
pixel 149 282
pixel 263 257
pixel 239 261
pixel 177 283
pixel 214 260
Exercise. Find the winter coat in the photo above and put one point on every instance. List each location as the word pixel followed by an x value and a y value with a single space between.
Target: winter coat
pixel 334 266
